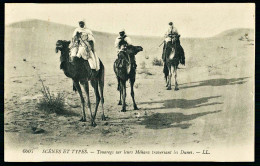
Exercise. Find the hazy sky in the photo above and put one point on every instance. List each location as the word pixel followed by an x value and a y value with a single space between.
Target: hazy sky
pixel 191 20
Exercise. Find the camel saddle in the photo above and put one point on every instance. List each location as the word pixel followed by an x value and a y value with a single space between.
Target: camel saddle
pixel 179 51
pixel 122 59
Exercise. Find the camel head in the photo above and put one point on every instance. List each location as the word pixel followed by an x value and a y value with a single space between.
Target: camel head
pixel 61 44
pixel 133 50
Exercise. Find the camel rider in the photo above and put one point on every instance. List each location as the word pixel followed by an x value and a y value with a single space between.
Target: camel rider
pixel 83 46
pixel 80 38
pixel 122 41
pixel 168 37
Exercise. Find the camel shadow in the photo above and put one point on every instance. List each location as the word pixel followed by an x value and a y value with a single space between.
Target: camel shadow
pixel 215 82
pixel 183 103
pixel 165 120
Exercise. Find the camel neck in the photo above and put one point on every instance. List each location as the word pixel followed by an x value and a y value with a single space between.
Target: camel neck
pixel 64 55
pixel 65 51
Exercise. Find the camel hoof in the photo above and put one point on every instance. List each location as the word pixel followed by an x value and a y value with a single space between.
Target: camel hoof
pixel 123 110
pixel 169 88
pixel 136 108
pixel 93 124
pixel 103 118
pixel 176 88
pixel 82 120
pixel 119 103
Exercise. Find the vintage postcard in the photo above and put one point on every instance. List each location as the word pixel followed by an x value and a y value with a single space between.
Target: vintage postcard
pixel 129 82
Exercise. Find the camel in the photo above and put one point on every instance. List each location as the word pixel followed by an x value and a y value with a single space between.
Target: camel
pixel 125 68
pixel 174 54
pixel 81 73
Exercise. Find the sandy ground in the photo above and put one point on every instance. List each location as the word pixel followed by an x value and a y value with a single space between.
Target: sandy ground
pixel 214 106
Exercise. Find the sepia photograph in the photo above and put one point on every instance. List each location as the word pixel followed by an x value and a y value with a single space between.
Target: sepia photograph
pixel 129 82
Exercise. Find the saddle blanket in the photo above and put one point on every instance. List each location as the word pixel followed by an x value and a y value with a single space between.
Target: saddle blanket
pixel 91 57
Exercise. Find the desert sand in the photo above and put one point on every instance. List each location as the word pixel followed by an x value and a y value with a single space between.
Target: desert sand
pixel 214 106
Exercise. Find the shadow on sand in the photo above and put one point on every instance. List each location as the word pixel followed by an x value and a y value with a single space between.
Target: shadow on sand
pixel 183 103
pixel 215 82
pixel 165 120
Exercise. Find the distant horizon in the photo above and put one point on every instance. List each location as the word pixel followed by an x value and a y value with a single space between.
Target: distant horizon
pixel 35 19
pixel 191 20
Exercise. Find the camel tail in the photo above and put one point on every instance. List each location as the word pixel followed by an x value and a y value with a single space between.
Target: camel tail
pixel 182 58
pixel 165 71
pixel 73 87
pixel 102 74
pixel 101 81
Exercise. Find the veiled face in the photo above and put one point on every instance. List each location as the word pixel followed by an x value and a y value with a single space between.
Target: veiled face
pixel 81 24
pixel 121 33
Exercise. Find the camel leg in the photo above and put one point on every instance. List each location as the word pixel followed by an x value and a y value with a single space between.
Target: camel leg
pixel 175 76
pixel 123 92
pixel 169 78
pixel 86 87
pixel 101 89
pixel 120 101
pixel 77 86
pixel 95 86
pixel 166 80
pixel 119 89
pixel 132 81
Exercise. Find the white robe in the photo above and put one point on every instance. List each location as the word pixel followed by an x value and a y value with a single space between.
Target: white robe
pixel 82 51
pixel 127 39
pixel 170 30
pixel 86 34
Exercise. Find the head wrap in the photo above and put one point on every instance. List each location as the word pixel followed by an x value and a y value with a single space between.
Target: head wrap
pixel 122 30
